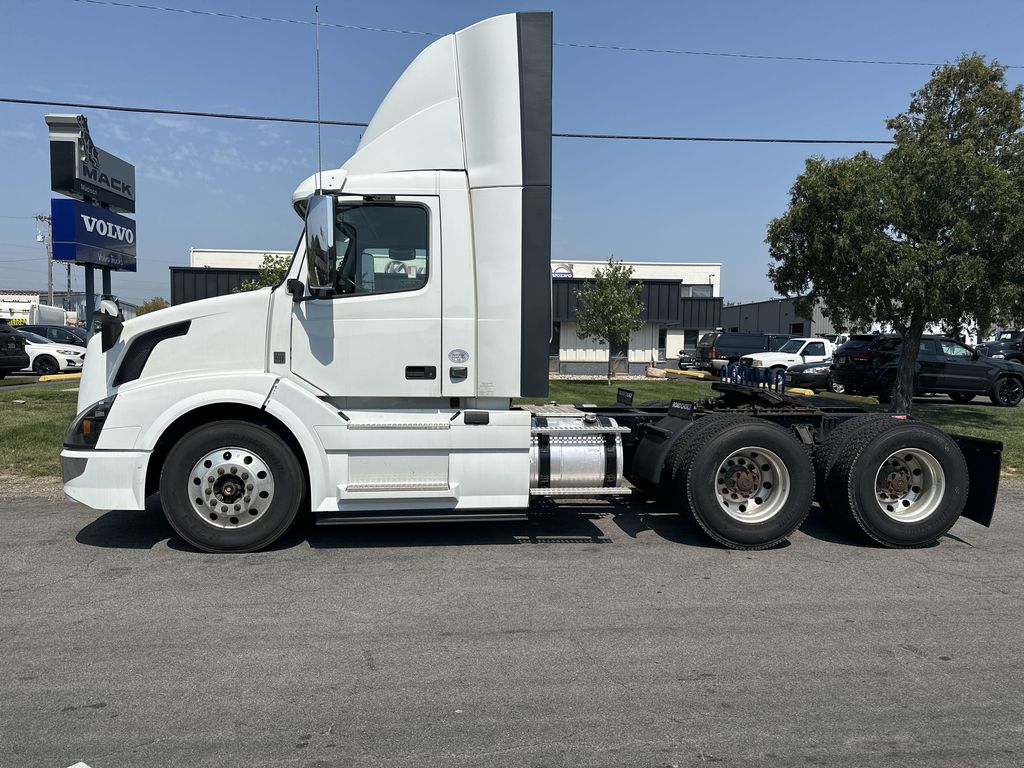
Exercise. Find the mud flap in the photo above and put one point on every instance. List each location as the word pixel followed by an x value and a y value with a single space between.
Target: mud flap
pixel 983 458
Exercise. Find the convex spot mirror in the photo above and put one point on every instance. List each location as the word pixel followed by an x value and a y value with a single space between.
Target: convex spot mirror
pixel 321 265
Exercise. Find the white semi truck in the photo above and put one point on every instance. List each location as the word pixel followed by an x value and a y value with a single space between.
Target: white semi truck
pixel 377 383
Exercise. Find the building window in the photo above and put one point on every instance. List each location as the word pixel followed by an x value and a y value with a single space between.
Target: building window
pixel 696 290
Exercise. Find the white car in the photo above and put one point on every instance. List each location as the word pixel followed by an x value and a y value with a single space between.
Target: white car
pixel 46 358
pixel 793 352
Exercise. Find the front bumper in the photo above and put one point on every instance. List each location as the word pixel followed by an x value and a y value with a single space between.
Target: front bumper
pixel 807 380
pixel 105 479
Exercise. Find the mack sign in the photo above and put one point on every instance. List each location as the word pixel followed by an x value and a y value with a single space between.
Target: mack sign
pixel 87 234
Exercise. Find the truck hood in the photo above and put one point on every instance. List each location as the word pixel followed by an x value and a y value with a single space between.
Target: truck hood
pixel 222 332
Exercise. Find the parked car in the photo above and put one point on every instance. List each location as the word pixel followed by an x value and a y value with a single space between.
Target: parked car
pixel 12 350
pixel 814 376
pixel 866 365
pixel 793 352
pixel 720 348
pixel 1007 345
pixel 686 360
pixel 59 334
pixel 47 358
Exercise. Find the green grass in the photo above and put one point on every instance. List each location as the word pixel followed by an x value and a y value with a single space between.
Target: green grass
pixel 12 380
pixel 32 432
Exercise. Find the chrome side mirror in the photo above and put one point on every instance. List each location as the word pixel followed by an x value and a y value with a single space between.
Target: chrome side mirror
pixel 320 260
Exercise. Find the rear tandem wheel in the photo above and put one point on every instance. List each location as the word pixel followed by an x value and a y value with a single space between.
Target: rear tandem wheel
pixel 747 482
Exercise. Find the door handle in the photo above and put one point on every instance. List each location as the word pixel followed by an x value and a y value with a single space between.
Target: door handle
pixel 420 372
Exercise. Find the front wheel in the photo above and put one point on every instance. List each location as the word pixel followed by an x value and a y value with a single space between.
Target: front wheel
pixel 45 365
pixel 1007 392
pixel 231 486
pixel 835 386
pixel 747 483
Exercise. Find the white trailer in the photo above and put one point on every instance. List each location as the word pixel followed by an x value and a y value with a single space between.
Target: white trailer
pixel 26 309
pixel 377 383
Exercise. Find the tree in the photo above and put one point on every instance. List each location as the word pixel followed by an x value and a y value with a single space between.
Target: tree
pixel 932 232
pixel 272 272
pixel 609 308
pixel 152 305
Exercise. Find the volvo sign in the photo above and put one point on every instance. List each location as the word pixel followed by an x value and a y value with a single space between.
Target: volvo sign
pixel 80 169
pixel 93 236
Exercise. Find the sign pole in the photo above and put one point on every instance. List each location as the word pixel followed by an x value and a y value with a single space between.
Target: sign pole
pixel 105 274
pixel 90 296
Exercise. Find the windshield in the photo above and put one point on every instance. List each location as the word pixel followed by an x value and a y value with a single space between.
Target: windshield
pixel 793 345
pixel 35 338
pixel 1010 335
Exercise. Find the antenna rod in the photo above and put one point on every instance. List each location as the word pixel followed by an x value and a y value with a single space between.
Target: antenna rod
pixel 319 154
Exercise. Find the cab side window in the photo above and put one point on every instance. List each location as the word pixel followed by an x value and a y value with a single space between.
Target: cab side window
pixel 815 348
pixel 381 249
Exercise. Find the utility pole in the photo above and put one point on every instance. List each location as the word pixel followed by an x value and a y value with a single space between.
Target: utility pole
pixel 48 239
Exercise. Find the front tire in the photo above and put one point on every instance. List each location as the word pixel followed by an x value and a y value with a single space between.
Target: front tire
pixel 46 365
pixel 747 483
pixel 231 486
pixel 1007 392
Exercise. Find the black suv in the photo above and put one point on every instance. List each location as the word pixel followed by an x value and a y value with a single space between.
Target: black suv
pixel 1007 345
pixel 12 350
pixel 866 365
pixel 724 347
pixel 61 334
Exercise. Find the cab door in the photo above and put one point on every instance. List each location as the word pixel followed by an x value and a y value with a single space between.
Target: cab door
pixel 377 331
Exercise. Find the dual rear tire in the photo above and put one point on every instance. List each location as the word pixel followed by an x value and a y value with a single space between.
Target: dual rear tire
pixel 902 484
pixel 746 482
pixel 749 483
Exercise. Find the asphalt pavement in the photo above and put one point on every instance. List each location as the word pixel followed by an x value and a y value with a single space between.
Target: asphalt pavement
pixel 602 635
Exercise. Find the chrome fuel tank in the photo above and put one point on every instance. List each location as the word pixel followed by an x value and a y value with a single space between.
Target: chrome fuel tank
pixel 576 452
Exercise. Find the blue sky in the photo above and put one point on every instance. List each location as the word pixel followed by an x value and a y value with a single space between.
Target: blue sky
pixel 227 184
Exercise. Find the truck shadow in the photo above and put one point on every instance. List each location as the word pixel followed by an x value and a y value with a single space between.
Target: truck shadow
pixel 587 523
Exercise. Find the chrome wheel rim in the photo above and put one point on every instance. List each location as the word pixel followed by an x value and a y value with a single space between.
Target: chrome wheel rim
pixel 231 487
pixel 752 485
pixel 910 485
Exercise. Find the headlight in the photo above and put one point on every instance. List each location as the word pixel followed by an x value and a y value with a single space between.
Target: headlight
pixel 756 363
pixel 85 429
pixel 817 369
pixel 70 352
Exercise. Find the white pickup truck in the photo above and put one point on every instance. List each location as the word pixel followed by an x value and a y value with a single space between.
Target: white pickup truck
pixel 793 352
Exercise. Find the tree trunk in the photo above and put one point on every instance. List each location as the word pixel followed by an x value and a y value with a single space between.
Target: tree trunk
pixel 611 363
pixel 903 394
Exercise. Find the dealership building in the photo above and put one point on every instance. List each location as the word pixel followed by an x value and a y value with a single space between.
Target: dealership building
pixel 681 301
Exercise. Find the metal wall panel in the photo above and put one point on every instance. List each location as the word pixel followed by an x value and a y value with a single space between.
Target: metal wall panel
pixel 195 283
pixel 662 304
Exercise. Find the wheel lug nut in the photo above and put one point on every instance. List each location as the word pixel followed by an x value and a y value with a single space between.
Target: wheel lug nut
pixel 245 475
pixel 248 487
pixel 237 507
pixel 224 508
pixel 220 470
pixel 210 479
pixel 247 499
pixel 209 491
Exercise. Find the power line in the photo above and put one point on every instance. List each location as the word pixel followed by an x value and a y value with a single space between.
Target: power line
pixel 355 124
pixel 594 46
pixel 184 113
